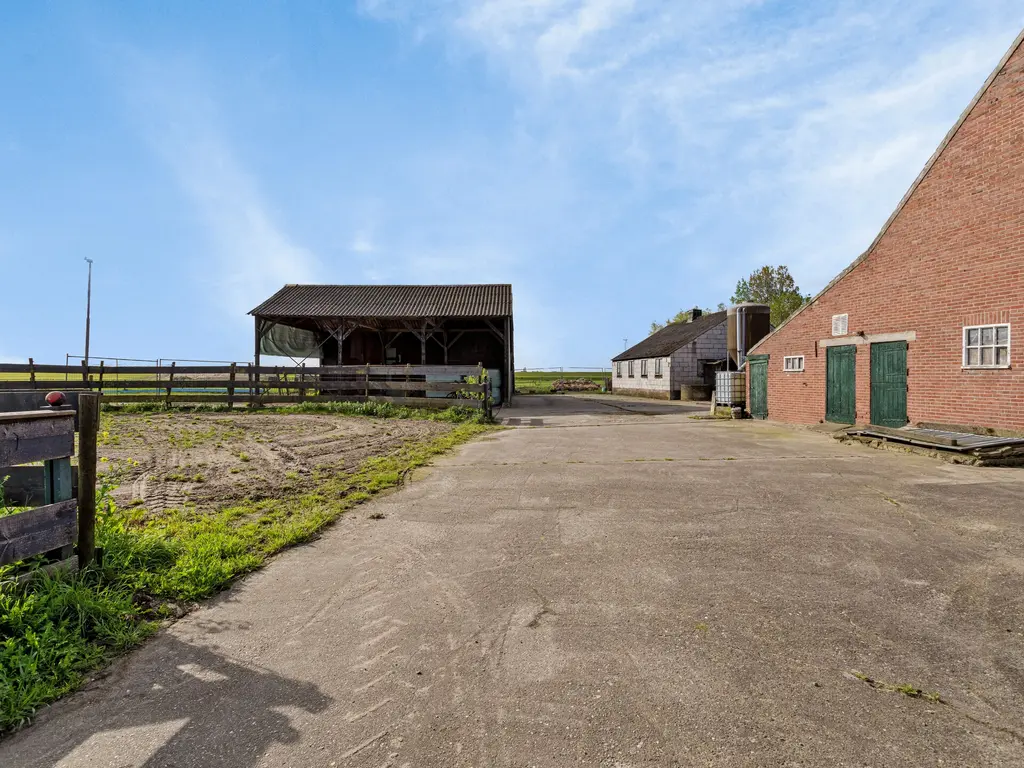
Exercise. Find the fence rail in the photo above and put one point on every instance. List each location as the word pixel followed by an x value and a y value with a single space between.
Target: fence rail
pixel 436 386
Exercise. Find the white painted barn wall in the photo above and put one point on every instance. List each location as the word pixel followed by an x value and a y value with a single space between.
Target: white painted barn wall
pixel 682 368
pixel 651 383
pixel 686 361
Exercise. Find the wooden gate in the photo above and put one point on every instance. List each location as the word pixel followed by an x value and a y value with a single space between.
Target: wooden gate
pixel 889 384
pixel 841 384
pixel 757 368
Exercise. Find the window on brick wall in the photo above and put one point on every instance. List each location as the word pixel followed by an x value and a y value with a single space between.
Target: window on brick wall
pixel 629 369
pixel 657 367
pixel 643 369
pixel 618 370
pixel 793 363
pixel 987 346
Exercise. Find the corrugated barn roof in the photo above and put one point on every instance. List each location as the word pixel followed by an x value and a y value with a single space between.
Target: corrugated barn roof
pixel 388 301
pixel 672 337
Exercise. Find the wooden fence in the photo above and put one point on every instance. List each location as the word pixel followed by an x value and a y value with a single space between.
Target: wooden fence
pixel 52 529
pixel 422 386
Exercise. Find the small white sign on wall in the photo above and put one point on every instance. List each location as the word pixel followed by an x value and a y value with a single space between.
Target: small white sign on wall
pixel 840 325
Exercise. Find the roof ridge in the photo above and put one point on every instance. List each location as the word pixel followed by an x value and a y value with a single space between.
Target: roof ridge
pixel 950 135
pixel 680 334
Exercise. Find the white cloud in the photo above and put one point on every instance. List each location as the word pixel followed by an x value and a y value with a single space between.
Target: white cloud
pixel 362 242
pixel 252 255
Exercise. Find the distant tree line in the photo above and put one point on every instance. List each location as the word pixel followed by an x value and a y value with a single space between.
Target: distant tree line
pixel 773 286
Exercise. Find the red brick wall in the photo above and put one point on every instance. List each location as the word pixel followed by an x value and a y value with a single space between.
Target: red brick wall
pixel 954 256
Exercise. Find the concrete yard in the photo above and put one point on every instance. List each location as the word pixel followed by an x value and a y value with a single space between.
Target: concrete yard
pixel 612 583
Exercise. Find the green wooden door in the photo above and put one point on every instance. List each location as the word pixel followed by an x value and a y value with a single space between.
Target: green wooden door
pixel 889 384
pixel 758 371
pixel 841 384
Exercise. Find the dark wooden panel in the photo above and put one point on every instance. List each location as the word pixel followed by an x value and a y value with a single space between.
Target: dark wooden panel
pixel 73 374
pixel 758 372
pixel 841 384
pixel 26 368
pixel 38 531
pixel 34 401
pixel 25 486
pixel 36 436
pixel 889 384
pixel 110 387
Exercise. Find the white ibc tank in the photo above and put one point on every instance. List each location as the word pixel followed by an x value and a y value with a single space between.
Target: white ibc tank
pixel 730 388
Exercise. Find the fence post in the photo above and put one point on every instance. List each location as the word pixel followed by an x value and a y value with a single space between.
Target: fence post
pixel 170 385
pixel 32 372
pixel 100 387
pixel 88 427
pixel 366 383
pixel 482 379
pixel 252 392
pixel 85 373
pixel 231 387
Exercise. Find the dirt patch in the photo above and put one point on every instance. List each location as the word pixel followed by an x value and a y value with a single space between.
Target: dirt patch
pixel 166 460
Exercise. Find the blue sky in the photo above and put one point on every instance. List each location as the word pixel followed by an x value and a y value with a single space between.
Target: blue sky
pixel 615 160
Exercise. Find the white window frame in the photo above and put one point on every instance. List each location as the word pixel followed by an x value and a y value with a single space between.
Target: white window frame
pixel 657 367
pixel 629 369
pixel 793 363
pixel 643 368
pixel 618 369
pixel 994 346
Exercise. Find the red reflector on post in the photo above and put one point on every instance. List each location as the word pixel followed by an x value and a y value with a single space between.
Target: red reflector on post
pixel 55 398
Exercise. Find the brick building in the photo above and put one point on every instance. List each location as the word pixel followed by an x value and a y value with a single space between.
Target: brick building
pixel 677 361
pixel 925 326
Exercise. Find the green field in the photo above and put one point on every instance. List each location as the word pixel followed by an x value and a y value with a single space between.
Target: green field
pixel 539 382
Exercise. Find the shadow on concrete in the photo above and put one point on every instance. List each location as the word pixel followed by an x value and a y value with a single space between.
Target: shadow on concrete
pixel 539 406
pixel 213 711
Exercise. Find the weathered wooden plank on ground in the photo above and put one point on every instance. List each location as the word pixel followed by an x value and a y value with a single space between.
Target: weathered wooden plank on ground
pixel 38 531
pixel 28 436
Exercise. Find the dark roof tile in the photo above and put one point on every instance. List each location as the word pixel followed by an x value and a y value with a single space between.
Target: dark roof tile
pixel 672 337
pixel 388 301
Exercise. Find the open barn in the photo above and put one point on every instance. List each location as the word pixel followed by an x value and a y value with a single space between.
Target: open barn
pixel 436 325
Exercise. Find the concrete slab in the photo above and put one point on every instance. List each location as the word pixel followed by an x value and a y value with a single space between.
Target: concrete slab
pixel 630 588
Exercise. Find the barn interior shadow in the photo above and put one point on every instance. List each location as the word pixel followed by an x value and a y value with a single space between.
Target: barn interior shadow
pixel 216 712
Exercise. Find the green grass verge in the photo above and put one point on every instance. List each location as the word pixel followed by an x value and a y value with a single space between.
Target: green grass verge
pixel 539 382
pixel 375 410
pixel 58 628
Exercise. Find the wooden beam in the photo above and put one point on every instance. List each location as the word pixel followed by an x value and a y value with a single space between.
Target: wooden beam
pixel 27 437
pixel 495 331
pixel 27 534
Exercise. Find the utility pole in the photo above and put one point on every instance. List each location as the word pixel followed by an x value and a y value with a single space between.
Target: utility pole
pixel 88 311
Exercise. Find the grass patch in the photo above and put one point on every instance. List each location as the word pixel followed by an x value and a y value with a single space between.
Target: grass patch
pixel 375 410
pixel 539 382
pixel 903 688
pixel 58 628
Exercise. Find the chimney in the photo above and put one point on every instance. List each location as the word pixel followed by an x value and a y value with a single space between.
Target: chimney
pixel 695 313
